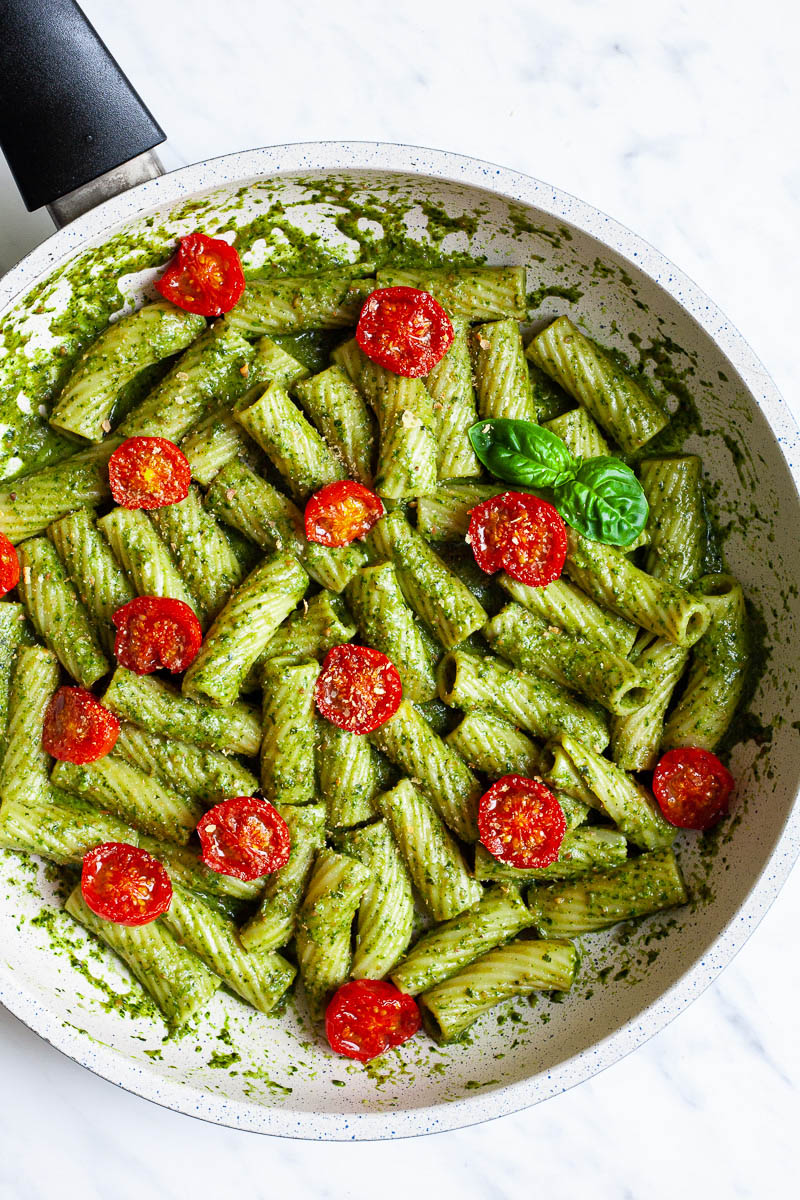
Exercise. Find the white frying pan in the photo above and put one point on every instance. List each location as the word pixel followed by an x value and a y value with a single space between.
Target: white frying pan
pixel 271 1075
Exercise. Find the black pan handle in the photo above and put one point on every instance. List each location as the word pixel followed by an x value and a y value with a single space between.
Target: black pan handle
pixel 67 113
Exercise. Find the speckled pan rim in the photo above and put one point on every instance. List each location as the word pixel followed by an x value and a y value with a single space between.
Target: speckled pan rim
pixel 440 165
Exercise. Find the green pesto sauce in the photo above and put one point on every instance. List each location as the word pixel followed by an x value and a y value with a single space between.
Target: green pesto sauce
pixel 61 929
pixel 95 295
pixel 225 1061
pixel 26 439
pixel 265 1084
pixel 519 222
pixel 535 298
pixel 272 244
pixel 670 381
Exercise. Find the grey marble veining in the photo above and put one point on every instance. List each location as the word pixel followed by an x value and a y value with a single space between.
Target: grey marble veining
pixel 677 119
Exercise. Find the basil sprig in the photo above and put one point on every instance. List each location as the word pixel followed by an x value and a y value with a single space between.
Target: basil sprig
pixel 600 497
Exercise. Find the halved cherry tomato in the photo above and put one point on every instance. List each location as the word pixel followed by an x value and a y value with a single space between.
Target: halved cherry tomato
pixel 366 1017
pixel 155 632
pixel 404 330
pixel 77 727
pixel 125 884
pixel 341 512
pixel 692 787
pixel 521 823
pixel 519 534
pixel 244 837
pixel 358 688
pixel 9 566
pixel 205 276
pixel 148 472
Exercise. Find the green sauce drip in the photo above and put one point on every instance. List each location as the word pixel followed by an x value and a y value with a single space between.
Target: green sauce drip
pixel 133 1003
pixel 535 298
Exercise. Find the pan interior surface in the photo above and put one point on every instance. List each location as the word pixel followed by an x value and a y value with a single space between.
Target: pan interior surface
pixel 273 1073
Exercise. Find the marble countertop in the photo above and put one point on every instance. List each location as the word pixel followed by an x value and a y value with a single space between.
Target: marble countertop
pixel 675 118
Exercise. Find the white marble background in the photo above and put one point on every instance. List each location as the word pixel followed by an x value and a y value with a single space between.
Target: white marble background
pixel 679 119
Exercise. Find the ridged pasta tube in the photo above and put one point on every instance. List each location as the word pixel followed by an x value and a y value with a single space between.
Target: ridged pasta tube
pixel 582 851
pixel 433 591
pixel 641 886
pixel 336 407
pixel 35 817
pixel 29 505
pixel 443 516
pixel 287 748
pixel 244 627
pixel 250 504
pixel 535 705
pixel 613 397
pixel 562 604
pixel 274 364
pixel 177 980
pixel 407 452
pixel 499 916
pixel 494 747
pixel 134 796
pixel 348 775
pixel 290 442
pixel 324 924
pixel 451 389
pixel 207 564
pixel 386 912
pixel 408 741
pixel 347 357
pixel 612 580
pixel 471 293
pixel 717 672
pixel 86 404
pixel 517 969
pixel 144 555
pixel 58 826
pixel 272 925
pixel 14 634
pixel 501 372
pixel 388 624
pixel 545 650
pixel 562 776
pixel 676 523
pixel 259 976
pixel 293 304
pixel 56 612
pixel 628 803
pixel 99 580
pixel 185 866
pixel 580 434
pixel 26 765
pixel 212 372
pixel 219 437
pixel 153 705
pixel 213 442
pixel 194 771
pixel 312 631
pixel 434 861
pixel 460 561
pixel 635 738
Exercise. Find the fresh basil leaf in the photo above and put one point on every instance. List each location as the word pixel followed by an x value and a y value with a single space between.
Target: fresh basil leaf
pixel 603 500
pixel 521 452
